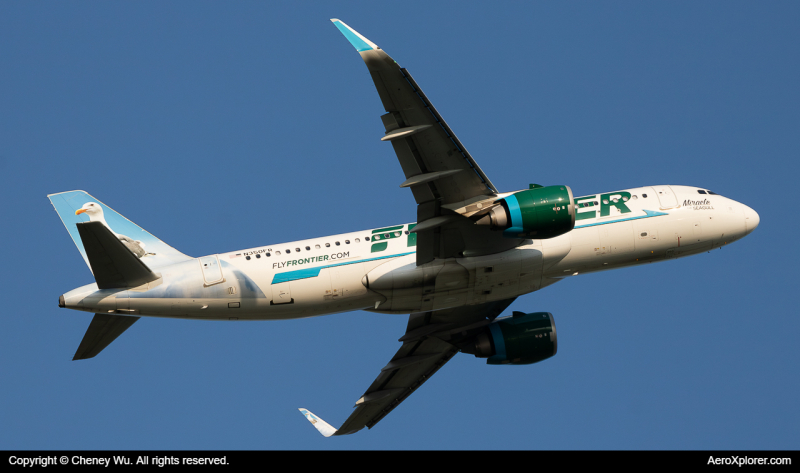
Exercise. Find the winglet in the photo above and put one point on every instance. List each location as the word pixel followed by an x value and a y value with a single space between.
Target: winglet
pixel 359 42
pixel 324 428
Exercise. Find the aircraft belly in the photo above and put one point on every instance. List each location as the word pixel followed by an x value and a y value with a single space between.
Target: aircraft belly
pixel 335 289
pixel 494 277
pixel 456 282
pixel 451 286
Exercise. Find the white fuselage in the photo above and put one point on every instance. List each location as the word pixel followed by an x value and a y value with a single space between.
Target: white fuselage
pixel 376 269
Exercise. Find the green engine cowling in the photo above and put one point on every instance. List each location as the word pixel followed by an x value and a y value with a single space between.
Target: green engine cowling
pixel 520 339
pixel 538 213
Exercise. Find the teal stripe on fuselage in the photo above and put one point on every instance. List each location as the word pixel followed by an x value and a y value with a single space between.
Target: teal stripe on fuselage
pixel 306 273
pixel 314 272
pixel 650 213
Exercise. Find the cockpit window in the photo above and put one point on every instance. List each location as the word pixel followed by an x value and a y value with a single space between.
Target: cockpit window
pixel 699 191
pixel 712 193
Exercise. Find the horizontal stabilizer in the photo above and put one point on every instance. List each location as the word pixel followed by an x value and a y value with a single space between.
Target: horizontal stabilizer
pixel 113 264
pixel 104 329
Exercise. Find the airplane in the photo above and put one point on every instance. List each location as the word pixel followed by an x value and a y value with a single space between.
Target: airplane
pixel 472 251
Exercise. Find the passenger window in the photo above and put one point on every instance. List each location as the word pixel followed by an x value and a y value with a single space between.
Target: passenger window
pixel 297 250
pixel 247 257
pixel 366 238
pixel 308 248
pixel 258 256
pixel 347 242
pixel 316 247
pixel 644 196
pixel 337 243
pixel 327 245
pixel 288 251
pixel 358 240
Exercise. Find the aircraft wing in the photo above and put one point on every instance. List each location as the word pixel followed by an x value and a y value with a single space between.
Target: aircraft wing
pixel 445 180
pixel 431 339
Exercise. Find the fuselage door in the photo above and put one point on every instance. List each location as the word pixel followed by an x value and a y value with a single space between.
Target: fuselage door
pixel 666 197
pixel 212 271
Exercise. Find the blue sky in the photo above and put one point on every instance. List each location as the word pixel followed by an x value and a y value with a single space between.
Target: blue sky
pixel 220 126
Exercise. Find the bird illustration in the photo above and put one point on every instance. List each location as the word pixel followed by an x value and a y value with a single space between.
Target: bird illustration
pixel 95 213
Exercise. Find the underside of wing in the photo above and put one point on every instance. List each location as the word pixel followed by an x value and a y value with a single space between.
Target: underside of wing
pixel 104 329
pixel 431 339
pixel 447 183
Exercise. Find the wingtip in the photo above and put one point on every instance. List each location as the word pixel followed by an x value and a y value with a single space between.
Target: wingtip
pixel 323 427
pixel 356 39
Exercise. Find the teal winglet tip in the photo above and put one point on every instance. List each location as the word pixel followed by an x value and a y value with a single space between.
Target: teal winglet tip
pixel 359 42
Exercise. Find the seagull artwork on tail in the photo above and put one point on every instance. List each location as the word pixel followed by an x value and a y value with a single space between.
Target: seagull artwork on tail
pixel 95 213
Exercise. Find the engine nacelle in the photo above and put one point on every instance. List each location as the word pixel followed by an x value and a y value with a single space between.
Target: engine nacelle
pixel 520 339
pixel 538 213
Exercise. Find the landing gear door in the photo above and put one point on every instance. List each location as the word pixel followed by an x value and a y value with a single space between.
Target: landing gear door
pixel 212 271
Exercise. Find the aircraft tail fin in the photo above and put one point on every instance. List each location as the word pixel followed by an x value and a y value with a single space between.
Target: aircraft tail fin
pixel 104 329
pixel 75 207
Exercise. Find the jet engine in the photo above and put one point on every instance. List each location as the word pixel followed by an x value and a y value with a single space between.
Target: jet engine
pixel 538 213
pixel 519 339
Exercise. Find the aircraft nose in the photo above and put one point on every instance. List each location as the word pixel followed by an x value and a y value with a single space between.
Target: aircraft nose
pixel 751 219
